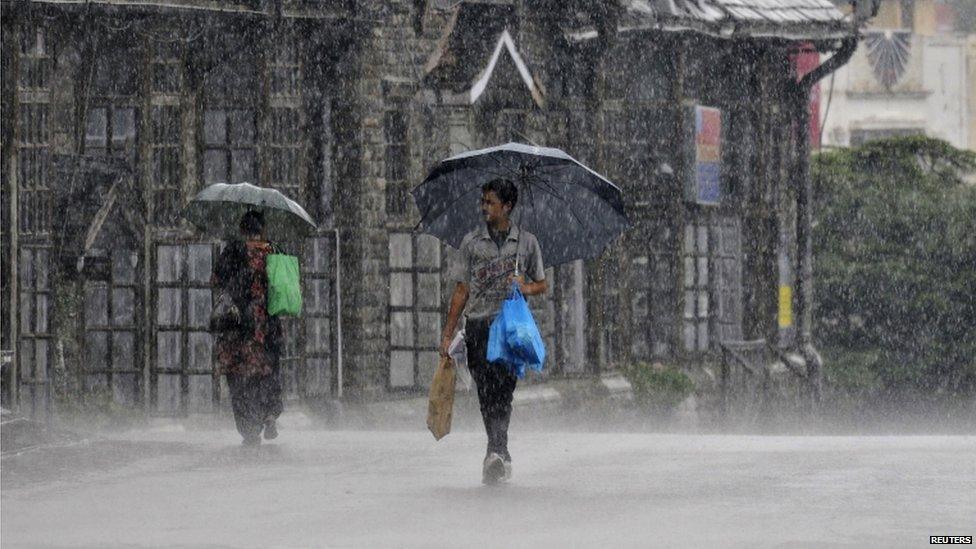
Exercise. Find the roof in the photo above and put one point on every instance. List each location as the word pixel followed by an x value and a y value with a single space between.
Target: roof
pixel 466 44
pixel 506 44
pixel 789 19
pixel 475 43
pixel 781 11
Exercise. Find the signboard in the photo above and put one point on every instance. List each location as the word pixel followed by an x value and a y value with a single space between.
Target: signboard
pixel 785 307
pixel 704 179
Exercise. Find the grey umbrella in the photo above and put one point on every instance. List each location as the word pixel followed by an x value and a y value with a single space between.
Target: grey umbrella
pixel 217 210
pixel 573 211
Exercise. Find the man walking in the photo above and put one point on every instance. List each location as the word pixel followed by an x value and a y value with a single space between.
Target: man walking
pixel 492 257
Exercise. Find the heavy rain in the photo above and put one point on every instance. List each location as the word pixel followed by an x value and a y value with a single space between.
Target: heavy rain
pixel 467 273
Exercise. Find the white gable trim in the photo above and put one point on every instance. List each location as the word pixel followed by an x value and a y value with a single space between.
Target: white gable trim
pixel 505 40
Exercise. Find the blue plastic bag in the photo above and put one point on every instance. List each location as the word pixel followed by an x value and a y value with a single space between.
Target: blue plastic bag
pixel 514 337
pixel 497 347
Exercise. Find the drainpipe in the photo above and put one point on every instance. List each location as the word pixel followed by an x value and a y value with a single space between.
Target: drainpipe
pixel 338 315
pixel 800 100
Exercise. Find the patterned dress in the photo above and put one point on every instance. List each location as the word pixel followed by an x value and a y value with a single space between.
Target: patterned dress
pixel 251 350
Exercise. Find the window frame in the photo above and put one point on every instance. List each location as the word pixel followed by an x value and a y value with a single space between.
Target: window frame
pixel 165 127
pixel 184 286
pixel 228 147
pixel 33 132
pixel 110 147
pixel 694 315
pixel 34 377
pixel 319 265
pixel 111 328
pixel 418 351
pixel 397 155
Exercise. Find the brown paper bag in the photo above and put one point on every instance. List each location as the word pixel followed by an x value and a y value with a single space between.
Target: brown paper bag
pixel 440 405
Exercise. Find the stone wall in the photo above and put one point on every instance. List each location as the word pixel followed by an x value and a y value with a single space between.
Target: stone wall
pixel 389 61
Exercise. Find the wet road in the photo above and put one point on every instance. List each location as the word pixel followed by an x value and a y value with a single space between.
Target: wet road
pixel 401 489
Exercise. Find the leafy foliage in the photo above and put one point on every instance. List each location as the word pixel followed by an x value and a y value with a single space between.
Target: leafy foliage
pixel 658 388
pixel 895 245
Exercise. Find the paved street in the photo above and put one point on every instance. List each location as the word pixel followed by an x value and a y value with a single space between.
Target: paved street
pixel 401 489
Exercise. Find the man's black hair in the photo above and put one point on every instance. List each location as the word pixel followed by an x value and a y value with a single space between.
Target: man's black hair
pixel 506 190
pixel 252 222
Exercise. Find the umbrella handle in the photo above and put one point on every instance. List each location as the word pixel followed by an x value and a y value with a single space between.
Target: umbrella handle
pixel 518 242
pixel 518 256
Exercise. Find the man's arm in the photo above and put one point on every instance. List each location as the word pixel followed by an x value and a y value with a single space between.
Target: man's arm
pixel 458 301
pixel 530 288
pixel 536 270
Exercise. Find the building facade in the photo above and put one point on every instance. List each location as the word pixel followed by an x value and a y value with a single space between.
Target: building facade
pixel 914 73
pixel 117 113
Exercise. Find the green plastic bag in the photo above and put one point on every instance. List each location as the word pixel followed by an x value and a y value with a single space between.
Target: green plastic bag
pixel 284 285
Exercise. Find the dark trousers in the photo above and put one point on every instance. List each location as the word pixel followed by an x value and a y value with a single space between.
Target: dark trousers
pixel 496 385
pixel 254 400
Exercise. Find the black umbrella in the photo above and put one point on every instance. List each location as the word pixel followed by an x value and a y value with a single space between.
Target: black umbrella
pixel 573 211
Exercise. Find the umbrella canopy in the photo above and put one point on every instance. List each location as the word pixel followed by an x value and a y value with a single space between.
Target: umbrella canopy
pixel 217 210
pixel 573 211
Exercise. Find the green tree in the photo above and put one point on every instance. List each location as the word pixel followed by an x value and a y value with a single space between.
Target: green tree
pixel 895 248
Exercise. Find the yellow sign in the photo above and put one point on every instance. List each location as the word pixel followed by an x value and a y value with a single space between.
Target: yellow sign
pixel 785 306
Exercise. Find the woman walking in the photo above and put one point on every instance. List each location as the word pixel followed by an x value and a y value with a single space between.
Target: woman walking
pixel 248 350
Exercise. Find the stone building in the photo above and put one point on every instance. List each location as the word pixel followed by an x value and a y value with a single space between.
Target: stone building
pixel 117 112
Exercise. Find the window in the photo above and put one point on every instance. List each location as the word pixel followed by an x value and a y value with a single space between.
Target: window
pixel 231 90
pixel 35 60
pixel 165 121
pixel 651 285
pixel 397 161
pixel 712 282
pixel 166 166
pixel 34 349
pixel 285 69
pixel 111 354
pixel 111 131
pixel 33 342
pixel 110 121
pixel 229 137
pixel 33 165
pixel 167 70
pixel 727 258
pixel 415 304
pixel 696 282
pixel 33 147
pixel 285 152
pixel 181 375
pixel 286 138
pixel 317 315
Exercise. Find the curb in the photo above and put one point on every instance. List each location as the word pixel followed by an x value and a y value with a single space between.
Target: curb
pixel 19 435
